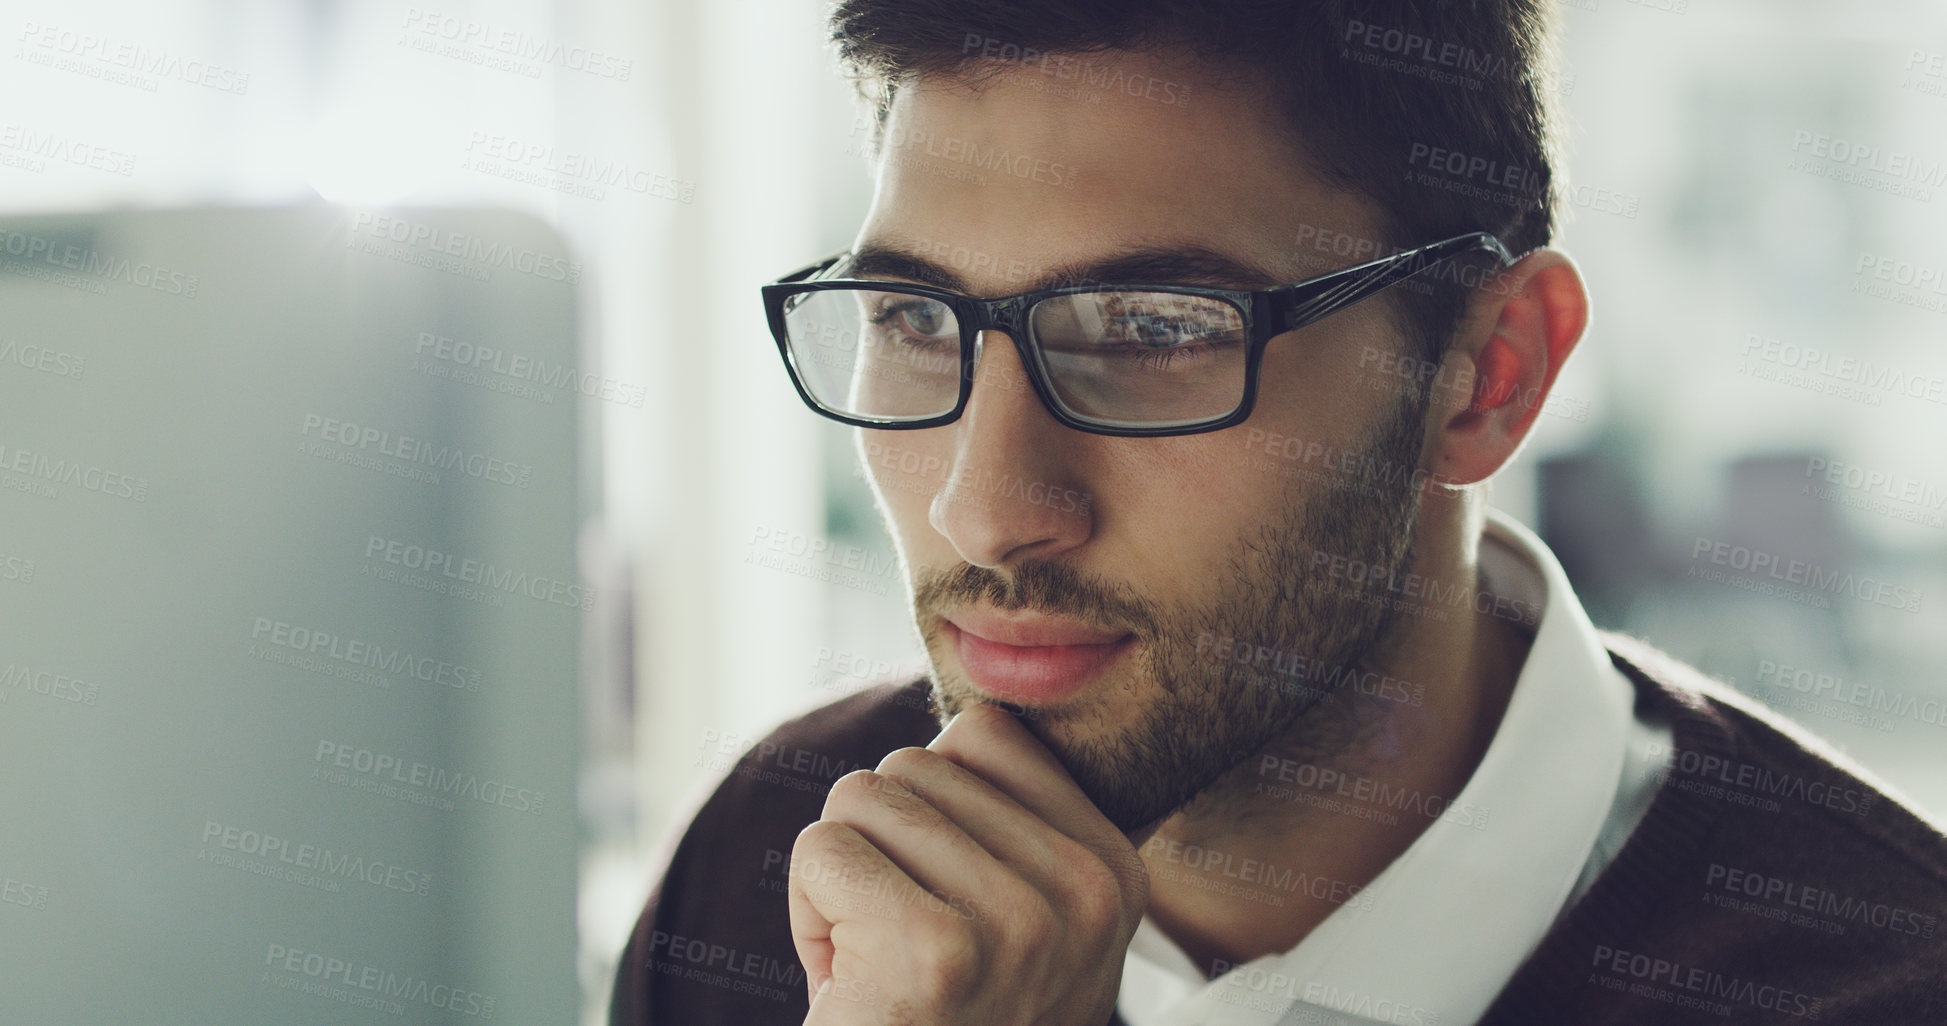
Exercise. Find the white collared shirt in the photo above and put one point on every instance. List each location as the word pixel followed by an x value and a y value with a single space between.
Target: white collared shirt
pixel 1437 934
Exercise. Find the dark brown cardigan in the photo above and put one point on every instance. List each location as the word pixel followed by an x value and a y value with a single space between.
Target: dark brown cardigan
pixel 1766 883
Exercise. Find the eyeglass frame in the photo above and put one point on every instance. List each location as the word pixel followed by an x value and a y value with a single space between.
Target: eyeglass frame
pixel 1267 313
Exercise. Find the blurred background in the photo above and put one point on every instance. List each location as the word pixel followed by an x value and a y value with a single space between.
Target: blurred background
pixel 1758 202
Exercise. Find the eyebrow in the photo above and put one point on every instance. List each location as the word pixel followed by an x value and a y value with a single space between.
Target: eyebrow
pixel 1148 265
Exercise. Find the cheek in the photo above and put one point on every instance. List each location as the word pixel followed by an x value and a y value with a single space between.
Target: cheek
pixel 1324 380
pixel 1174 512
pixel 1321 394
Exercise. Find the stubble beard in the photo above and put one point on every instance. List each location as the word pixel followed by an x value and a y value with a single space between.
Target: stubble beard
pixel 1207 709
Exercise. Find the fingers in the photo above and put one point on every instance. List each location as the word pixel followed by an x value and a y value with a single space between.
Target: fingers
pixel 932 849
pixel 994 745
pixel 996 822
pixel 825 911
pixel 884 857
pixel 883 887
pixel 811 931
pixel 857 916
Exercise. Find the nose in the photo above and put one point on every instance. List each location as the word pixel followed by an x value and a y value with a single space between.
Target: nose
pixel 1012 492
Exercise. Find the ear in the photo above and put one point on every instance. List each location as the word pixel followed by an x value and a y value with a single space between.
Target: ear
pixel 1518 330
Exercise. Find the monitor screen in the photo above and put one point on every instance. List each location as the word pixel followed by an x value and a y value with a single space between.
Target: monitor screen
pixel 289 613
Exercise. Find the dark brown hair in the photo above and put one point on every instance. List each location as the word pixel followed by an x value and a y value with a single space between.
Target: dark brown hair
pixel 1436 110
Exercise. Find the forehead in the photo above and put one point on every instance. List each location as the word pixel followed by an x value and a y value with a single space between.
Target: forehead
pixel 1015 168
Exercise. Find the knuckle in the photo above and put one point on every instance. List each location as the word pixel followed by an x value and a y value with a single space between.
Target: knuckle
pixel 1037 924
pixel 822 835
pixel 908 761
pixel 853 786
pixel 1022 914
pixel 1132 876
pixel 1099 908
pixel 946 960
pixel 1098 894
pixel 861 790
pixel 910 767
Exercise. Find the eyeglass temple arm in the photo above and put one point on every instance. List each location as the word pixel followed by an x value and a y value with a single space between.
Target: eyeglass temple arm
pixel 1303 304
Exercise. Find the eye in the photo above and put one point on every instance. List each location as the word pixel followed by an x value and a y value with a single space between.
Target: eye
pixel 924 319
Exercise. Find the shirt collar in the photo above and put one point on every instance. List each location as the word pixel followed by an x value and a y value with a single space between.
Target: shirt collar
pixel 1442 929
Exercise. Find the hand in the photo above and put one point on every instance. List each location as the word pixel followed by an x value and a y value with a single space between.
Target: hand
pixel 967 882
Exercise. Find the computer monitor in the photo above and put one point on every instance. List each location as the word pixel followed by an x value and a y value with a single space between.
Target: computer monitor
pixel 289 613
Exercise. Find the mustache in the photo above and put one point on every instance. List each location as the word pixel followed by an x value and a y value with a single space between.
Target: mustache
pixel 1056 589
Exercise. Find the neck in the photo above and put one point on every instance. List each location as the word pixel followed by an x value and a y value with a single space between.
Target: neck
pixel 1259 859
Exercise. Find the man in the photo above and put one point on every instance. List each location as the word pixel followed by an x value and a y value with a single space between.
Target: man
pixel 1253 712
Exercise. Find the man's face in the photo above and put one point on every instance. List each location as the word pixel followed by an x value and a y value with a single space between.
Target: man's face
pixel 1108 582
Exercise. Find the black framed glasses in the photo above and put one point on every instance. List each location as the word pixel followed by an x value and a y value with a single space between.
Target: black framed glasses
pixel 1136 360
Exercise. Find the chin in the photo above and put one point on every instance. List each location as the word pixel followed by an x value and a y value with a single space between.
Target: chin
pixel 1078 718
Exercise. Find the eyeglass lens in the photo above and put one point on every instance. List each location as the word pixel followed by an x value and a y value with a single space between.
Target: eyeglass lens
pixel 1121 358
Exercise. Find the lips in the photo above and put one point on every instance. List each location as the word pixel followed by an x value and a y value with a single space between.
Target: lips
pixel 1033 660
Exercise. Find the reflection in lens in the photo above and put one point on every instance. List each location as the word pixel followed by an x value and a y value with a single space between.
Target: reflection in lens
pixel 1142 358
